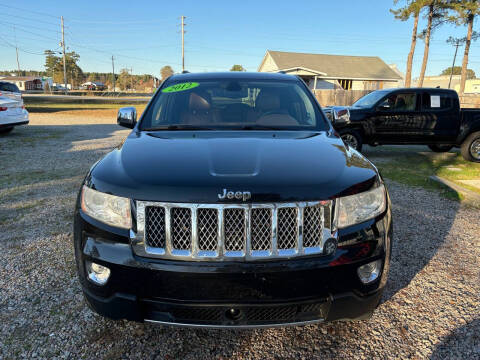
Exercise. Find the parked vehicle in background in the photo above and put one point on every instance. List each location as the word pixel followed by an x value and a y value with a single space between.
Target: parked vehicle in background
pixel 93 85
pixel 419 116
pixel 12 109
pixel 232 203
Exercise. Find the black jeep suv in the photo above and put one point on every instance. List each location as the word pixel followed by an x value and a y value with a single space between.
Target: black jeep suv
pixel 232 203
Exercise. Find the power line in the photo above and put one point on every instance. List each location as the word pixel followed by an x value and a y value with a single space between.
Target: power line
pixel 9 16
pixel 19 48
pixel 30 11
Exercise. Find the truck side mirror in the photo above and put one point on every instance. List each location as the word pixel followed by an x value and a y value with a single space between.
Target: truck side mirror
pixel 340 114
pixel 127 117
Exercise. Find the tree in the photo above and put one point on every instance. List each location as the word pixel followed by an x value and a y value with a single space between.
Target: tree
pixel 465 10
pixel 237 68
pixel 165 72
pixel 124 81
pixel 54 67
pixel 457 70
pixel 437 13
pixel 412 8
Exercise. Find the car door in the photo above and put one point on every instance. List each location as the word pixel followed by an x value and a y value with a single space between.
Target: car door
pixel 441 117
pixel 397 118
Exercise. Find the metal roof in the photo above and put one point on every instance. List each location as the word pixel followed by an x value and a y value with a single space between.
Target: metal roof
pixel 19 78
pixel 335 66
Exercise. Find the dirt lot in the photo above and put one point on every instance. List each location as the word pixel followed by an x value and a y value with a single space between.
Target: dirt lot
pixel 431 308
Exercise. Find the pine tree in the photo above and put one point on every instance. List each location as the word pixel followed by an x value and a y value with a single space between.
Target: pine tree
pixel 411 8
pixel 437 14
pixel 465 13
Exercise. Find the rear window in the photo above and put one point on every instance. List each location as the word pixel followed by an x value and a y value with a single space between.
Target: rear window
pixel 439 101
pixel 4 86
pixel 234 104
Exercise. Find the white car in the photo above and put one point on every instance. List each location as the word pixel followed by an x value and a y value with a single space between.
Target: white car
pixel 12 109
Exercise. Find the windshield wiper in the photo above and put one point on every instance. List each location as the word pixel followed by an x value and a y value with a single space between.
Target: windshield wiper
pixel 178 127
pixel 260 127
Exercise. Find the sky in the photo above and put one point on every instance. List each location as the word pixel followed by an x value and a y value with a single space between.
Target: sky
pixel 145 35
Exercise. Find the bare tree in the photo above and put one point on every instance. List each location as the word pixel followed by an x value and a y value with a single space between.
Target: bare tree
pixel 166 71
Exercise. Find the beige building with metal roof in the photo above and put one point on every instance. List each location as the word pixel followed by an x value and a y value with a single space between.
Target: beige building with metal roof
pixel 321 71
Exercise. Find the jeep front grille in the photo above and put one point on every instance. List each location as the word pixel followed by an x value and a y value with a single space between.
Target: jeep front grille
pixel 231 232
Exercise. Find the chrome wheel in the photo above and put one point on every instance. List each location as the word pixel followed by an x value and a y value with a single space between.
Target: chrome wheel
pixel 475 149
pixel 350 140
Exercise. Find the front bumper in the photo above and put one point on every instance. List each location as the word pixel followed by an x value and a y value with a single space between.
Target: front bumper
pixel 233 294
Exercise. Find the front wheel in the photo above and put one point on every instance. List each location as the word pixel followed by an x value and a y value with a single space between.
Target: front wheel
pixel 353 139
pixel 440 148
pixel 471 147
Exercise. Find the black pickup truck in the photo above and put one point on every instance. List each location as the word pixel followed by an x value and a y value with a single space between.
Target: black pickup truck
pixel 410 116
pixel 232 203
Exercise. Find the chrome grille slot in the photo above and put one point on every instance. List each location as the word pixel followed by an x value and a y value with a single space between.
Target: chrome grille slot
pixel 155 228
pixel 287 225
pixel 234 228
pixel 216 232
pixel 181 228
pixel 207 229
pixel 313 220
pixel 261 229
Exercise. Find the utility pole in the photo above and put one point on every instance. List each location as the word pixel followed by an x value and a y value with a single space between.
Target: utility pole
pixel 456 43
pixel 16 48
pixel 183 43
pixel 113 75
pixel 131 78
pixel 64 58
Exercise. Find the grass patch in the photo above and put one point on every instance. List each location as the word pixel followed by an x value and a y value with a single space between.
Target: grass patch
pixel 35 176
pixel 414 169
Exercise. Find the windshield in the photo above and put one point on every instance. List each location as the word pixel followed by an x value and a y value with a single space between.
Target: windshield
pixel 369 100
pixel 233 104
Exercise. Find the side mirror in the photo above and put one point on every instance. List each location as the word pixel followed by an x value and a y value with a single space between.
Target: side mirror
pixel 127 117
pixel 384 107
pixel 340 114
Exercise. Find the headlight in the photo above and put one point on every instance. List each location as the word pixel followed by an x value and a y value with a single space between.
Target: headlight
pixel 109 209
pixel 361 207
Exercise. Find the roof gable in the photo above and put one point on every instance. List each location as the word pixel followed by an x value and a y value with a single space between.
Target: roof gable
pixel 336 66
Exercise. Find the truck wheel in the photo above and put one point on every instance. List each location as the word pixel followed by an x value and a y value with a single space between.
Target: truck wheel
pixel 6 131
pixel 353 139
pixel 471 147
pixel 440 148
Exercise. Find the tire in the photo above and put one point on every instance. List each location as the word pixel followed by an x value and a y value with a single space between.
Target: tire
pixel 352 138
pixel 6 130
pixel 471 147
pixel 439 148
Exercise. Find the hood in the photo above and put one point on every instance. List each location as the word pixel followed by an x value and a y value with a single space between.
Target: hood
pixel 195 166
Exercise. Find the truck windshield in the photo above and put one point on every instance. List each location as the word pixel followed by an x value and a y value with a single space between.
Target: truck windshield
pixel 369 100
pixel 233 104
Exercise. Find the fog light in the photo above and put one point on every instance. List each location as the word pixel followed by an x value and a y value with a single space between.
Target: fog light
pixel 330 246
pixel 98 274
pixel 369 272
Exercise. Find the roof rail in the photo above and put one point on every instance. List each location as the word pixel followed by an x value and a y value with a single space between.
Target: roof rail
pixel 281 72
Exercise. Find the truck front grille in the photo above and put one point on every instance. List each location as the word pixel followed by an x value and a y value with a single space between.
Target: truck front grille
pixel 231 232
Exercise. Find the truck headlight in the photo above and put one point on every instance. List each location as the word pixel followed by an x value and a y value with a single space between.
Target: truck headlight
pixel 361 207
pixel 109 209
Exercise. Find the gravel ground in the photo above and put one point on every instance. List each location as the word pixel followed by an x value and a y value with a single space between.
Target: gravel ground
pixel 431 307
